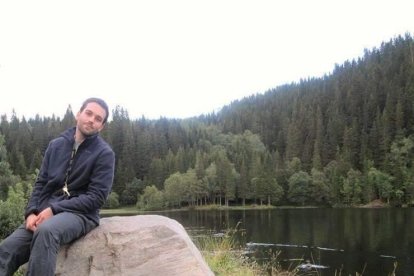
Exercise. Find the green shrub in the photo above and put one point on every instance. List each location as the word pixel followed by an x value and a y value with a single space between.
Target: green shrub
pixel 113 201
pixel 12 210
pixel 151 199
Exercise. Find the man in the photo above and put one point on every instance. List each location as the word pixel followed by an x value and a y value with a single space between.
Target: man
pixel 73 183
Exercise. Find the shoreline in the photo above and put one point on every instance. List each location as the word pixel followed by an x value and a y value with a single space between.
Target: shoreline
pixel 134 210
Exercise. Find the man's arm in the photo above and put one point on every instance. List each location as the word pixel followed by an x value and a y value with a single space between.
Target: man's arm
pixel 41 180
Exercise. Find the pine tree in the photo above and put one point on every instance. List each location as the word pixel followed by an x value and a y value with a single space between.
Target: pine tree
pixel 7 179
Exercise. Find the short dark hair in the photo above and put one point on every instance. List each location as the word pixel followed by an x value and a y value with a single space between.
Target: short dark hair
pixel 99 101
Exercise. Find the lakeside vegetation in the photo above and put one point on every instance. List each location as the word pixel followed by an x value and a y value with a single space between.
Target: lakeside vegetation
pixel 135 210
pixel 226 258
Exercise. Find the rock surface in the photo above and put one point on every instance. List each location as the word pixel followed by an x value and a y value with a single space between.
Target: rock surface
pixel 133 245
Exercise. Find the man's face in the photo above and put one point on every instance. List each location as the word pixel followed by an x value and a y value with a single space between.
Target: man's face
pixel 90 120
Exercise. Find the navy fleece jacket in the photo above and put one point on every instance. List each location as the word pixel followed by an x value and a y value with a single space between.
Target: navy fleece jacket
pixel 90 179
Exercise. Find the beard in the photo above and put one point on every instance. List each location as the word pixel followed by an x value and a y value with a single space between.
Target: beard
pixel 87 131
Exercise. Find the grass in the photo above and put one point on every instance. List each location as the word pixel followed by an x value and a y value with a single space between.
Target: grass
pixel 226 258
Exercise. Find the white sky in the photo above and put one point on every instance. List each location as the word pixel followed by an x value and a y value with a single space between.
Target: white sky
pixel 176 58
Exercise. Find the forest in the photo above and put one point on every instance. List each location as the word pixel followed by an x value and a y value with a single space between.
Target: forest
pixel 343 139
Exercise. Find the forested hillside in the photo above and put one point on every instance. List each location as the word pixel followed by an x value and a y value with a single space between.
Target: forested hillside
pixel 345 138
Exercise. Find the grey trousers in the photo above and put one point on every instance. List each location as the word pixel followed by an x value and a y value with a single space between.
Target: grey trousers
pixel 40 248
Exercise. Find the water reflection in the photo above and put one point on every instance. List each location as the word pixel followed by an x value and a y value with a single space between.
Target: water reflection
pixel 341 241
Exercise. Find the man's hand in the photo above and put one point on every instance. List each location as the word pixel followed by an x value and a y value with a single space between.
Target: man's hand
pixel 33 221
pixel 44 215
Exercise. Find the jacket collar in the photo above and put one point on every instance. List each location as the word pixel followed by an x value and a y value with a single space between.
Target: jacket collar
pixel 69 135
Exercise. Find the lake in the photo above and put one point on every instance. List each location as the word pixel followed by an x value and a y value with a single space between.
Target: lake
pixel 335 240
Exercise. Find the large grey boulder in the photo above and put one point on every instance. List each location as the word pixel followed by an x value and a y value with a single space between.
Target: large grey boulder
pixel 134 245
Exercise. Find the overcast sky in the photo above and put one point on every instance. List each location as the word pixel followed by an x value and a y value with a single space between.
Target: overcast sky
pixel 176 58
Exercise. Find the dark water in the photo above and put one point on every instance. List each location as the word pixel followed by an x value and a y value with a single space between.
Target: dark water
pixel 340 241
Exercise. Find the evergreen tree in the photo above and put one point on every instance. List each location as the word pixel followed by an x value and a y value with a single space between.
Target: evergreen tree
pixel 293 145
pixel 401 168
pixel 132 190
pixel 317 145
pixel 352 189
pixel 68 120
pixel 382 183
pixel 334 180
pixel 299 188
pixel 7 179
pixel 320 190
